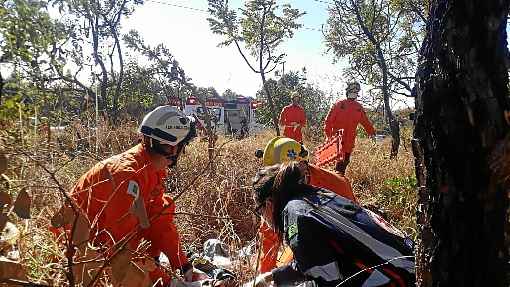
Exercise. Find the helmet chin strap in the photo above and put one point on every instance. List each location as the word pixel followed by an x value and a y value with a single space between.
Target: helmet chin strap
pixel 158 148
pixel 173 158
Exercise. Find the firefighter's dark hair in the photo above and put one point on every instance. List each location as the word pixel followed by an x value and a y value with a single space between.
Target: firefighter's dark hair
pixel 263 182
pixel 280 183
pixel 289 183
pixel 153 146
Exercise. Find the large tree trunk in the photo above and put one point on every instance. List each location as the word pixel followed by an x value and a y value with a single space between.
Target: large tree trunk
pixel 461 129
pixel 392 122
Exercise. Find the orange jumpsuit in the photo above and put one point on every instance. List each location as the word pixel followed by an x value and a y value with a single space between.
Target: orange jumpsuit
pixel 319 177
pixel 293 114
pixel 346 115
pixel 107 184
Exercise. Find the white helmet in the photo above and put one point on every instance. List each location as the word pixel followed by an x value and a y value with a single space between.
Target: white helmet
pixel 168 125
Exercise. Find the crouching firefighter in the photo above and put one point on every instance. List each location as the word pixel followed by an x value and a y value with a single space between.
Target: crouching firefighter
pixel 124 196
pixel 283 149
pixel 335 241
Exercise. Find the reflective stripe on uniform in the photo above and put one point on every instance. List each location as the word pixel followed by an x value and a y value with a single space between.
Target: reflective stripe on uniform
pixel 385 252
pixel 376 279
pixel 329 272
pixel 133 189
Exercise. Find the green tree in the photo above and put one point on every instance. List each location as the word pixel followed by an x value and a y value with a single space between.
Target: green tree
pixel 27 33
pixel 262 27
pixel 162 67
pixel 52 55
pixel 314 101
pixel 381 41
pixel 96 24
pixel 29 40
pixel 462 144
pixel 141 90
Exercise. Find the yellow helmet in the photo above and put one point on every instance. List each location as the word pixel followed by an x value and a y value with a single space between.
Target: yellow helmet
pixel 282 149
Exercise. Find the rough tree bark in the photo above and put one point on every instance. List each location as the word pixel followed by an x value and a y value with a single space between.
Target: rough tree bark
pixel 461 134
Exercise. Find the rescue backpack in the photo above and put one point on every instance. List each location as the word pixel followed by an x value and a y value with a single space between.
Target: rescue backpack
pixel 381 255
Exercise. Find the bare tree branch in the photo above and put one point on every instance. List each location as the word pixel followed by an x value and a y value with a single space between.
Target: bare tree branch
pixel 244 57
pixel 401 82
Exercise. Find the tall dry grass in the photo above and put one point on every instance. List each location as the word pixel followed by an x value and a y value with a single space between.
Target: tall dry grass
pixel 216 205
pixel 388 184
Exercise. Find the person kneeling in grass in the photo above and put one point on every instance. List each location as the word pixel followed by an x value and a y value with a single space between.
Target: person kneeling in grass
pixel 334 240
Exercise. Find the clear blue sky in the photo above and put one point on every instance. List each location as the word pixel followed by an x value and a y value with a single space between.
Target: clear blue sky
pixel 186 33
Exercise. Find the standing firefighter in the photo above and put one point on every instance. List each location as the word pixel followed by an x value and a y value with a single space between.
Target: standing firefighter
pixel 125 194
pixel 279 150
pixel 346 115
pixel 293 119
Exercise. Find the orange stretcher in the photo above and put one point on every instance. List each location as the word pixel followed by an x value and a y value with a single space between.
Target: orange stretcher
pixel 330 151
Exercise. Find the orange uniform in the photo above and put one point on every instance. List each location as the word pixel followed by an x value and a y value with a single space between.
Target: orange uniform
pixel 290 116
pixel 319 177
pixel 102 193
pixel 346 115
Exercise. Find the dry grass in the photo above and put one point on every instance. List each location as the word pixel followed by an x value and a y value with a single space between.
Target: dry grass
pixel 216 205
pixel 388 184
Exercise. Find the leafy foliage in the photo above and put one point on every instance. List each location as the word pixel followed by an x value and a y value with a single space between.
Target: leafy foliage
pixel 53 56
pixel 276 28
pixel 359 30
pixel 380 39
pixel 398 184
pixel 162 64
pixel 26 29
pixel 155 82
pixel 27 39
pixel 61 63
pixel 260 27
pixel 263 26
pixel 314 101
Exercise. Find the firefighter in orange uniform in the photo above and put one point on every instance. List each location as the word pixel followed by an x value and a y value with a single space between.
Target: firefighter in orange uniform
pixel 125 194
pixel 346 115
pixel 279 150
pixel 293 119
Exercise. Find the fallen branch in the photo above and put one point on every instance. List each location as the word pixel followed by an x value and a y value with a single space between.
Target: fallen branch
pixel 208 216
pixel 16 282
